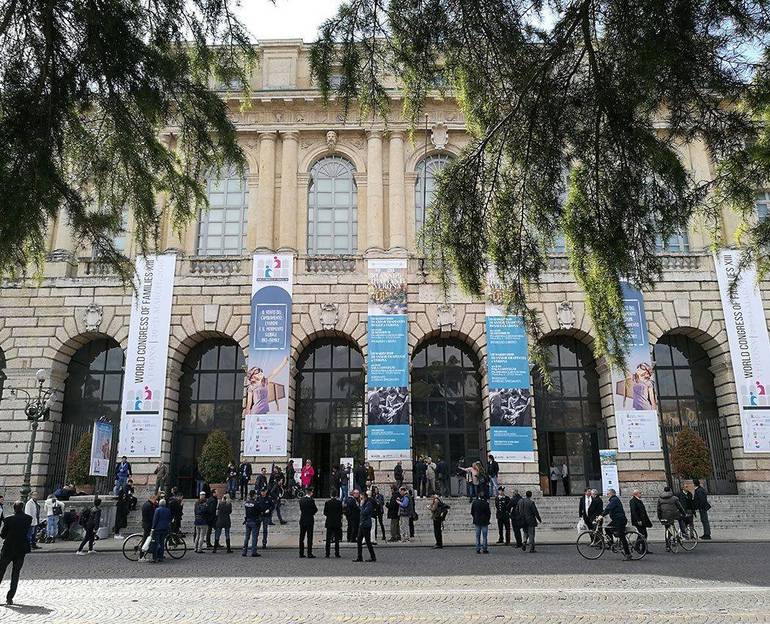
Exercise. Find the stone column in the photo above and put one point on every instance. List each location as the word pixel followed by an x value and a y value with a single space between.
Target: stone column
pixel 374 203
pixel 396 205
pixel 61 261
pixel 265 202
pixel 287 235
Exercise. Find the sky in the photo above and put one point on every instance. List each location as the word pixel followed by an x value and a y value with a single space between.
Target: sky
pixel 287 19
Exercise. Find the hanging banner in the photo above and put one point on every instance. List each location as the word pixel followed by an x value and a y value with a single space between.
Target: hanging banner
pixel 634 398
pixel 749 348
pixel 144 383
pixel 510 414
pixel 267 380
pixel 101 448
pixel 608 459
pixel 387 384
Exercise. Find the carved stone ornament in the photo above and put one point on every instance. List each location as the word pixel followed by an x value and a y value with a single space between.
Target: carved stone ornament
pixel 331 141
pixel 329 316
pixel 445 316
pixel 439 136
pixel 93 316
pixel 565 315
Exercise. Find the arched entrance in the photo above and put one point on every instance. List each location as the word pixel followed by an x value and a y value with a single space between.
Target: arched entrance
pixel 210 397
pixel 329 414
pixel 92 390
pixel 686 398
pixel 446 404
pixel 570 428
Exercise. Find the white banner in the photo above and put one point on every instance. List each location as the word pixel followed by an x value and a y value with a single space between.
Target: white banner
pixel 609 463
pixel 749 349
pixel 266 434
pixel 144 383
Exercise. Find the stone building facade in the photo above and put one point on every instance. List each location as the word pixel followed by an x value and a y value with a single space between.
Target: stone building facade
pixel 376 173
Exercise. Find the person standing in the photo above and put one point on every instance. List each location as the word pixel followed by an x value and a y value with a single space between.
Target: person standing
pixel 393 508
pixel 398 474
pixel 359 477
pixel 307 512
pixel 472 473
pixel 264 513
pixel 244 476
pixel 379 512
pixel 336 481
pixel 251 522
pixel 442 478
pixel 463 478
pixel 404 514
pixel 430 477
pixel 639 517
pixel 224 511
pixel 516 523
pixel 261 481
pixel 583 504
pixel 122 473
pixel 276 494
pixel 161 473
pixel 91 524
pixel 345 481
pixel 420 478
pixel 493 471
pixel 352 515
pixel 148 513
pixel 554 477
pixel 176 507
pixel 481 516
pixel 307 474
pixel 701 505
pixel 211 516
pixel 290 475
pixel 565 478
pixel 530 518
pixel 53 511
pixel 121 512
pixel 594 509
pixel 161 522
pixel 333 513
pixel 370 476
pixel 201 522
pixel 614 510
pixel 365 529
pixel 32 509
pixel 232 479
pixel 437 510
pixel 503 515
pixel 15 546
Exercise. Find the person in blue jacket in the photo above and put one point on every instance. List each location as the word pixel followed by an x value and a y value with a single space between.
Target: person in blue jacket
pixel 614 510
pixel 161 521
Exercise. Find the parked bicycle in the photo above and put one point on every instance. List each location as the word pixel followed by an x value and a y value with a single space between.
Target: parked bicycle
pixel 592 543
pixel 676 538
pixel 133 550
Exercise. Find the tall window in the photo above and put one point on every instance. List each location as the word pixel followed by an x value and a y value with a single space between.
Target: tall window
pixel 223 226
pixel 120 239
pixel 678 243
pixel 425 189
pixel 332 212
pixel 763 204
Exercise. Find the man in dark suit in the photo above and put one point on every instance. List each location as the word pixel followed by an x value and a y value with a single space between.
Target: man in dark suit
pixel 639 517
pixel 307 511
pixel 333 513
pixel 702 506
pixel 15 546
pixel 594 509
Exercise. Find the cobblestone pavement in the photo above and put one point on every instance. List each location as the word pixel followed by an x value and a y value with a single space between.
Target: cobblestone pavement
pixel 717 583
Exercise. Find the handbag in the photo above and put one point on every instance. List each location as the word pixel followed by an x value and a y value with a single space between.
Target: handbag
pixel 581 525
pixel 148 543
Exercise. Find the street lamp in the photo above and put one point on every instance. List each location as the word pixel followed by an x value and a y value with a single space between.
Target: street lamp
pixel 37 409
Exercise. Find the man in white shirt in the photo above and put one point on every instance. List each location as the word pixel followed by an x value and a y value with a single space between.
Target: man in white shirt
pixel 583 506
pixel 565 478
pixel 32 509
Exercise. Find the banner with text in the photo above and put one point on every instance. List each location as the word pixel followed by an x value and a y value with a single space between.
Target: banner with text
pixel 144 384
pixel 608 459
pixel 633 390
pixel 510 414
pixel 387 383
pixel 101 449
pixel 267 380
pixel 749 348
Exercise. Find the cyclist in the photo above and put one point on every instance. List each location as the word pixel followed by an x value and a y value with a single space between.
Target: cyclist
pixel 618 521
pixel 670 510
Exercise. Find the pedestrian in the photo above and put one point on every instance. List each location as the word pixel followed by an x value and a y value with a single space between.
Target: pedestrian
pixel 290 475
pixel 442 478
pixel 594 509
pixel 121 512
pixel 148 514
pixel 333 513
pixel 412 512
pixel 529 518
pixel 565 478
pixel 393 508
pixel 687 521
pixel 261 481
pixel 404 513
pixel 481 515
pixel 370 476
pixel 516 523
pixel 130 497
pixel 583 505
pixel 201 522
pixel 398 475
pixel 161 522
pixel 701 505
pixel 503 515
pixel 307 512
pixel 365 529
pixel 244 477
pixel 463 478
pixel 211 516
pixel 639 517
pixel 122 474
pixel 359 477
pixel 161 473
pixel 307 474
pixel 345 481
pixel 232 479
pixel 223 522
pixel 554 476
pixel 438 512
pixel 472 472
pixel 32 509
pixel 276 494
pixel 420 478
pixel 53 511
pixel 493 470
pixel 90 520
pixel 200 482
pixel 336 480
pixel 379 511
pixel 618 521
pixel 669 510
pixel 264 513
pixel 352 515
pixel 15 546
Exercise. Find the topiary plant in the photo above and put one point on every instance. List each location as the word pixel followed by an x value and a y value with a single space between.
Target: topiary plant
pixel 79 461
pixel 690 456
pixel 216 454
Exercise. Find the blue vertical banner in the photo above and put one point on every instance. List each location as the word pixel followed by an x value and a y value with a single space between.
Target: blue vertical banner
pixel 387 380
pixel 510 414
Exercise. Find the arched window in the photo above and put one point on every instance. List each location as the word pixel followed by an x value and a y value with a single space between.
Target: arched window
pixel 425 188
pixel 222 230
pixel 211 397
pixel 332 208
pixel 329 415
pixel 686 398
pixel 446 403
pixel 570 428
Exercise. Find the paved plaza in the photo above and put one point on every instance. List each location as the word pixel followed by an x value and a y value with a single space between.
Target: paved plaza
pixel 717 583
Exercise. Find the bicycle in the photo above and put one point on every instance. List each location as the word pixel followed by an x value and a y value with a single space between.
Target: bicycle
pixel 175 546
pixel 592 543
pixel 675 537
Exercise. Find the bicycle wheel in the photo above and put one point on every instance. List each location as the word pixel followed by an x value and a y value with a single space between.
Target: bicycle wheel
pixel 689 539
pixel 176 547
pixel 673 540
pixel 590 545
pixel 637 544
pixel 132 547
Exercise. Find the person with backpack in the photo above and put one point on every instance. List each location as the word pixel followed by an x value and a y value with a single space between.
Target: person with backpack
pixel 438 512
pixel 53 511
pixel 90 520
pixel 481 515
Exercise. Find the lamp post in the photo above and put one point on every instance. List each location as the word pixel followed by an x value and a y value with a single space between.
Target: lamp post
pixel 37 409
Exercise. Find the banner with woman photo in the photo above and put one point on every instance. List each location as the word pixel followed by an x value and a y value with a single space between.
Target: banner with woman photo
pixel 267 375
pixel 510 414
pixel 387 382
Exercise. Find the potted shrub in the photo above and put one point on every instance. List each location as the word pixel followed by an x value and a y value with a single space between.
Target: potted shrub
pixel 79 465
pixel 216 454
pixel 690 456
